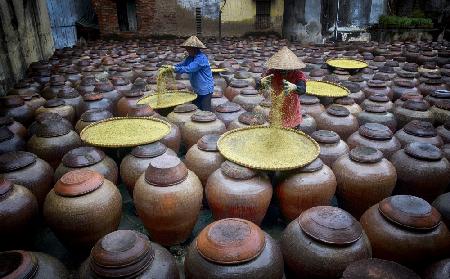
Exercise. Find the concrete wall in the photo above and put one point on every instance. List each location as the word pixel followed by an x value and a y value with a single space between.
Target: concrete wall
pixel 25 37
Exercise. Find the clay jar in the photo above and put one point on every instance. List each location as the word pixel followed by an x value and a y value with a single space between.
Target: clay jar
pixel 217 98
pixel 16 127
pixel 378 269
pixel 135 163
pixel 33 100
pixel 228 112
pixel 442 204
pixel 350 104
pixel 129 254
pixel 201 123
pixel 109 92
pixel 407 230
pixel 379 100
pixel 233 248
pixel 441 112
pixel 72 98
pixel 364 178
pixel 413 110
pixel 422 171
pixel 18 212
pixel 437 270
pixel 444 132
pixel 26 169
pixel 311 105
pixel 52 140
pixel 321 242
pixel 308 124
pixel 56 83
pixel 310 186
pixel 96 101
pixel 182 114
pixel 88 158
pixel 402 87
pixel 33 265
pixel 9 141
pixel 331 146
pixel 91 116
pixel 173 139
pixel 81 208
pixel 248 99
pixel 437 95
pixel 15 107
pixel 204 158
pixel 235 88
pixel 129 99
pixel 264 109
pixel 338 119
pixel 377 136
pixel 377 87
pixel 240 192
pixel 58 106
pixel 168 198
pixel 419 131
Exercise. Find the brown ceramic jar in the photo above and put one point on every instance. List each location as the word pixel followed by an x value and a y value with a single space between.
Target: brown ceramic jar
pixel 56 83
pixel 235 88
pixel 129 99
pixel 338 119
pixel 407 96
pixel 10 142
pixel 33 265
pixel 90 117
pixel 247 119
pixel 234 191
pixel 321 242
pixel 331 146
pixel 52 140
pixel 407 230
pixel 96 101
pixel 15 107
pixel 364 178
pixel 228 112
pixel 442 204
pixel 201 123
pixel 350 104
pixel 437 95
pixel 168 198
pixel 413 110
pixel 72 98
pixel 440 112
pixel 88 158
pixel 422 171
pixel 377 114
pixel 87 85
pixel 264 109
pixel 33 100
pixel 311 105
pixel 58 106
pixel 129 254
pixel 217 98
pixel 182 114
pixel 377 87
pixel 135 163
pixel 109 92
pixel 310 186
pixel 355 89
pixel 173 139
pixel 419 131
pixel 16 127
pixel 378 100
pixel 402 87
pixel 233 248
pixel 431 84
pixel 82 208
pixel 248 99
pixel 18 213
pixel 376 136
pixel 378 269
pixel 437 270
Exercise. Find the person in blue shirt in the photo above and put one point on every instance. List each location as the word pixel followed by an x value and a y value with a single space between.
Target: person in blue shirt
pixel 199 70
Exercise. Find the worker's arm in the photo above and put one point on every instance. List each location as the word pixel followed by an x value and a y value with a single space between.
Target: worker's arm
pixel 192 67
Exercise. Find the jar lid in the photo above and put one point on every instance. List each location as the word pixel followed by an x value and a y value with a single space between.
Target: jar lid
pixel 230 241
pixel 239 83
pixel 375 108
pixel 78 182
pixel 416 105
pixel 249 92
pixel 83 157
pixel 420 129
pixel 309 100
pixel 375 131
pixel 94 115
pixel 236 171
pixel 404 83
pixel 166 172
pixel 315 165
pixel 95 96
pixel 185 108
pixel 228 107
pixel 442 104
pixel 325 136
pixel 18 264
pixel 376 83
pixel 424 151
pixel 266 103
pixel 12 101
pixel 52 128
pixel 338 111
pixel 356 78
pixel 122 253
pixel 345 101
pixel 441 94
pixel 151 150
pixel 242 75
pixel 68 93
pixel 5 134
pixel 208 143
pixel 386 69
pixel 330 225
pixel 407 74
pixel 133 93
pixel 120 81
pixel 410 212
pixel 5 186
pixel 203 116
pixel 53 103
pixel 379 98
pixel 251 118
pixel 365 154
pixel 15 160
pixel 377 269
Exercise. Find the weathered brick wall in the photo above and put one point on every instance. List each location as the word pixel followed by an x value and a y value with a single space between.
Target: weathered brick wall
pixel 106 11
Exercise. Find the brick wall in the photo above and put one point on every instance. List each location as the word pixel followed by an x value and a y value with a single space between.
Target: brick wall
pixel 106 11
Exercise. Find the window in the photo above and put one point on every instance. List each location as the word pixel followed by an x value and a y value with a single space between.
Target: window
pixel 262 14
pixel 126 15
pixel 198 20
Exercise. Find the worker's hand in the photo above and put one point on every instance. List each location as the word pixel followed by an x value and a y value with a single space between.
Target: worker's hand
pixel 266 81
pixel 168 67
pixel 288 87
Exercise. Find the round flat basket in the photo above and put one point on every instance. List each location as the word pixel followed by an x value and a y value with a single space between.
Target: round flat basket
pixel 218 70
pixel 346 63
pixel 326 89
pixel 125 132
pixel 268 148
pixel 167 99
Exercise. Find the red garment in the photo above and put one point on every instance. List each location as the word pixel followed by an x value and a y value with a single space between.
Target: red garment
pixel 292 112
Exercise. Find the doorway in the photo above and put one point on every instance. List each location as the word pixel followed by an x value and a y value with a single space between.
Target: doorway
pixel 126 15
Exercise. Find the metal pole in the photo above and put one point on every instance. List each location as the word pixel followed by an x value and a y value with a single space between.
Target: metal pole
pixel 336 21
pixel 220 23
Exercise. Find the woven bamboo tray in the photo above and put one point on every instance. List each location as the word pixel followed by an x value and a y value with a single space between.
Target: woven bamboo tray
pixel 346 63
pixel 119 132
pixel 168 99
pixel 218 70
pixel 268 148
pixel 326 89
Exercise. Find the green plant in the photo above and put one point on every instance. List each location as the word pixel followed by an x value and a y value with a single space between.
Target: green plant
pixel 404 22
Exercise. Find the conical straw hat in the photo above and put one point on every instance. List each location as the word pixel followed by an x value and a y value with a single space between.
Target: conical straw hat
pixel 285 59
pixel 193 41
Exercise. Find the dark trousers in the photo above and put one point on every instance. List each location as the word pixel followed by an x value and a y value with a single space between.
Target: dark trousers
pixel 203 102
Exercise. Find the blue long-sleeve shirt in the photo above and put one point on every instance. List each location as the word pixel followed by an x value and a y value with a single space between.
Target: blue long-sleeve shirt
pixel 199 71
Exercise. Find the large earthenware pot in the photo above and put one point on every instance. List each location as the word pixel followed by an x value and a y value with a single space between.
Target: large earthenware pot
pixel 350 104
pixel 235 88
pixel 10 142
pixel 168 198
pixel 228 112
pixel 129 99
pixel 377 114
pixel 16 127
pixel 419 131
pixel 233 248
pixel 58 106
pixel 96 101
pixel 377 87
pixel 264 109
pixel 331 146
pixel 431 84
pixel 437 95
pixel 201 123
pixel 91 116
pixel 248 119
pixel 87 85
pixel 173 139
pixel 338 119
pixel 33 100
pixel 109 92
pixel 248 99
pixel 217 98
pixel 442 204
pixel 51 90
pixel 437 270
pixel 402 87
pixel 407 96
pixel 413 110
pixel 378 269
pixel 440 112
pixel 72 98
pixel 311 105
pixel 15 107
pixel 355 85
pixel 378 100
pixel 182 114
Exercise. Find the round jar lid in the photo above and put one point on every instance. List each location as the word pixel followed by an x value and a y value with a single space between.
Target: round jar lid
pixel 416 105
pixel 5 134
pixel 208 143
pixel 330 225
pixel 325 136
pixel 251 118
pixel 15 160
pixel 228 107
pixel 83 157
pixel 166 172
pixel 315 165
pixel 376 83
pixel 410 212
pixel 91 97
pixel 151 150
pixel 6 121
pixel 345 101
pixel 411 96
pixel 104 87
pixel 242 75
pixel 94 115
pixel 338 111
pixel 236 171
pixel 309 100
pixel 239 83
pixel 424 151
pixel 266 103
pixel 441 94
pixel 375 131
pixel 364 154
pixel 141 110
pixel 377 269
pixel 249 92
pixel 5 186
pixel 18 264
pixel 404 83
pixel 53 103
pixel 185 108
pixel 51 128
pixel 420 129
pixel 375 109
pixel 230 241
pixel 68 93
pixel 78 182
pixel 12 101
pixel 122 253
pixel 443 104
pixel 203 116
pixel 379 98
pixel 133 93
